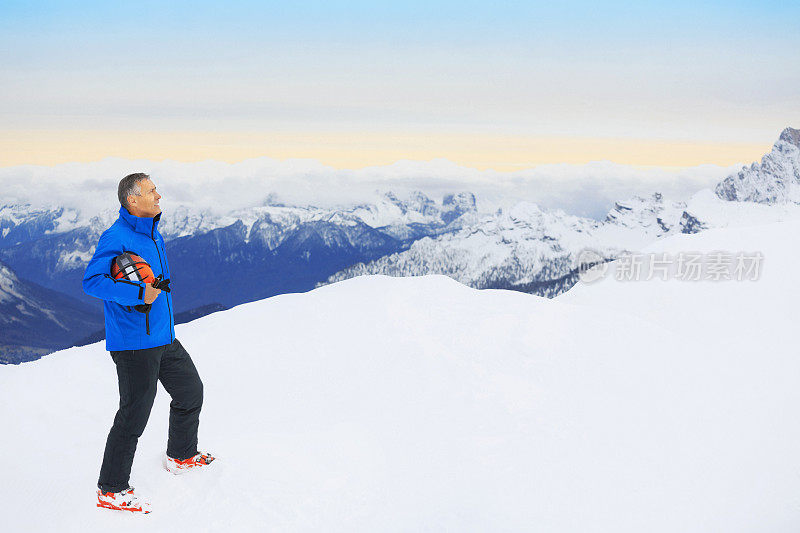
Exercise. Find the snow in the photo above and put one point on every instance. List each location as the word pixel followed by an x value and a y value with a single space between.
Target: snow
pixel 720 213
pixel 68 220
pixel 520 244
pixel 74 259
pixel 7 282
pixel 392 404
pixel 411 208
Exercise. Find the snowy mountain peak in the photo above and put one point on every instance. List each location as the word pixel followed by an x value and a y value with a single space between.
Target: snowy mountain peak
pixel 791 136
pixel 456 205
pixel 650 213
pixel 417 201
pixel 395 212
pixel 521 211
pixel 342 219
pixel 463 199
pixel 7 282
pixel 183 220
pixel 775 180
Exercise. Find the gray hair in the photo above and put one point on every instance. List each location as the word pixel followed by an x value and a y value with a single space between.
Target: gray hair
pixel 129 186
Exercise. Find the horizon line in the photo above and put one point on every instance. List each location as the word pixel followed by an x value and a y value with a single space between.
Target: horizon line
pixel 349 151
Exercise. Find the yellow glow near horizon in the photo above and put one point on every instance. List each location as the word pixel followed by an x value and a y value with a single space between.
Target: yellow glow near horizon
pixel 358 150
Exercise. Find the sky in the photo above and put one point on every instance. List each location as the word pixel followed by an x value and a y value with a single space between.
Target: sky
pixel 502 85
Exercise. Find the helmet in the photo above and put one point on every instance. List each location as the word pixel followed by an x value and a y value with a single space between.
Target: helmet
pixel 132 267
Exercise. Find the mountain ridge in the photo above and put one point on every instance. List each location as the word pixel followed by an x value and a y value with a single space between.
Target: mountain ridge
pixel 258 252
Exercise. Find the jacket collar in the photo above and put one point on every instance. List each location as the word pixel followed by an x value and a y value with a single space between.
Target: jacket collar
pixel 146 225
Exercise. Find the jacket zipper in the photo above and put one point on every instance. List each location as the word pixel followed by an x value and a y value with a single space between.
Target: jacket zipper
pixel 169 307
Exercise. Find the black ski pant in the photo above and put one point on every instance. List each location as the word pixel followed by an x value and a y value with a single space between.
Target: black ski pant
pixel 139 372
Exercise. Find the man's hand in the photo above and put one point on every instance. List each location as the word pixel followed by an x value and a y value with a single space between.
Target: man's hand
pixel 150 294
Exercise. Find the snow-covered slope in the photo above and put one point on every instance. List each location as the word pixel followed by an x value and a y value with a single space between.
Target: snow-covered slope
pixel 654 217
pixel 710 211
pixel 391 404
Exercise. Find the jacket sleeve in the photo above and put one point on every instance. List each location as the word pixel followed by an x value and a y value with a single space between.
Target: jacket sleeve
pixel 97 280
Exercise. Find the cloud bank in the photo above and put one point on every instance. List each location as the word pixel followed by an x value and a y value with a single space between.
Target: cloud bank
pixel 585 190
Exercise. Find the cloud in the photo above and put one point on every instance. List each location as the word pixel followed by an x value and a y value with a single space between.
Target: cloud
pixel 586 190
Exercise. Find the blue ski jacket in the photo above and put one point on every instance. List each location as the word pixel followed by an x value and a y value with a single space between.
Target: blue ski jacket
pixel 127 328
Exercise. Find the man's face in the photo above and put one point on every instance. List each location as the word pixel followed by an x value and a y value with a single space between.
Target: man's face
pixel 146 204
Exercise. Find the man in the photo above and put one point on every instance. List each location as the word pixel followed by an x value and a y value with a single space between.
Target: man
pixel 143 347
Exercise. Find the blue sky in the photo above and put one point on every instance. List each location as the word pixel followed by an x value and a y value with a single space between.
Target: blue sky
pixel 531 23
pixel 723 76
